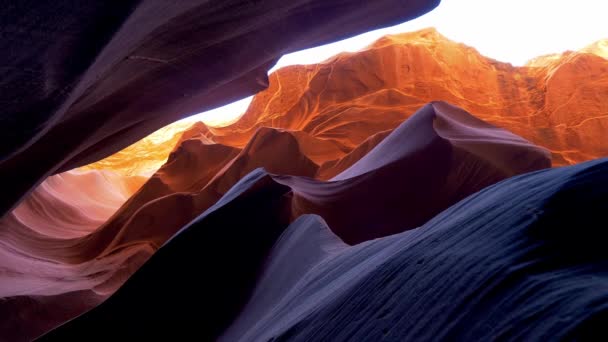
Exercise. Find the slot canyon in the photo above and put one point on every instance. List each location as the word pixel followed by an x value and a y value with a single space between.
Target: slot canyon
pixel 414 189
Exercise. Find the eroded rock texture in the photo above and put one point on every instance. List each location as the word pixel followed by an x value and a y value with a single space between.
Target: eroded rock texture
pixel 505 263
pixel 557 101
pixel 84 80
pixel 347 204
pixel 431 161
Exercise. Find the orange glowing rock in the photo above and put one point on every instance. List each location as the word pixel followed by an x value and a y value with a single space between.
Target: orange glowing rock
pixel 320 121
pixel 145 156
pixel 558 101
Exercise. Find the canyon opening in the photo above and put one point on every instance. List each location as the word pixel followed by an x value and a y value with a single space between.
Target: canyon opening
pixel 304 170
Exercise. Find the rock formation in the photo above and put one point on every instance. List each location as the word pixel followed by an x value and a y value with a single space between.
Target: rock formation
pixel 560 104
pixel 84 80
pixel 504 263
pixel 557 101
pixel 437 157
pixel 345 186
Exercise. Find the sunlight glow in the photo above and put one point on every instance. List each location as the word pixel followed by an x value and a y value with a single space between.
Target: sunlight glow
pixel 512 31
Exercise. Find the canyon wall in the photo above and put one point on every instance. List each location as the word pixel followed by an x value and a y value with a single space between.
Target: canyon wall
pixel 557 101
pixel 85 79
pixel 367 151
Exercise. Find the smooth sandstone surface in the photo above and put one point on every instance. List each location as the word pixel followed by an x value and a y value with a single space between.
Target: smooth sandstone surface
pixel 560 105
pixel 83 80
pixel 558 101
pixel 503 263
pixel 353 155
pixel 437 157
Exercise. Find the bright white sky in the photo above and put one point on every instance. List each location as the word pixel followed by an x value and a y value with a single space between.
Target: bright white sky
pixel 511 31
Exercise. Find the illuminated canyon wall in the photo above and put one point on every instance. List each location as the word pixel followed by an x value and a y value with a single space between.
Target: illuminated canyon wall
pixel 557 101
pixel 373 144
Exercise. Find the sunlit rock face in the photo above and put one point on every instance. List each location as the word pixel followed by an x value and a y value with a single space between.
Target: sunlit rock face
pixel 74 203
pixel 40 259
pixel 557 101
pixel 434 159
pixel 145 156
pixel 111 73
pixel 358 140
pixel 429 162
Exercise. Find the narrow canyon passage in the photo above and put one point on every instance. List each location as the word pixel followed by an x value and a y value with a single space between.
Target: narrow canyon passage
pixel 412 190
